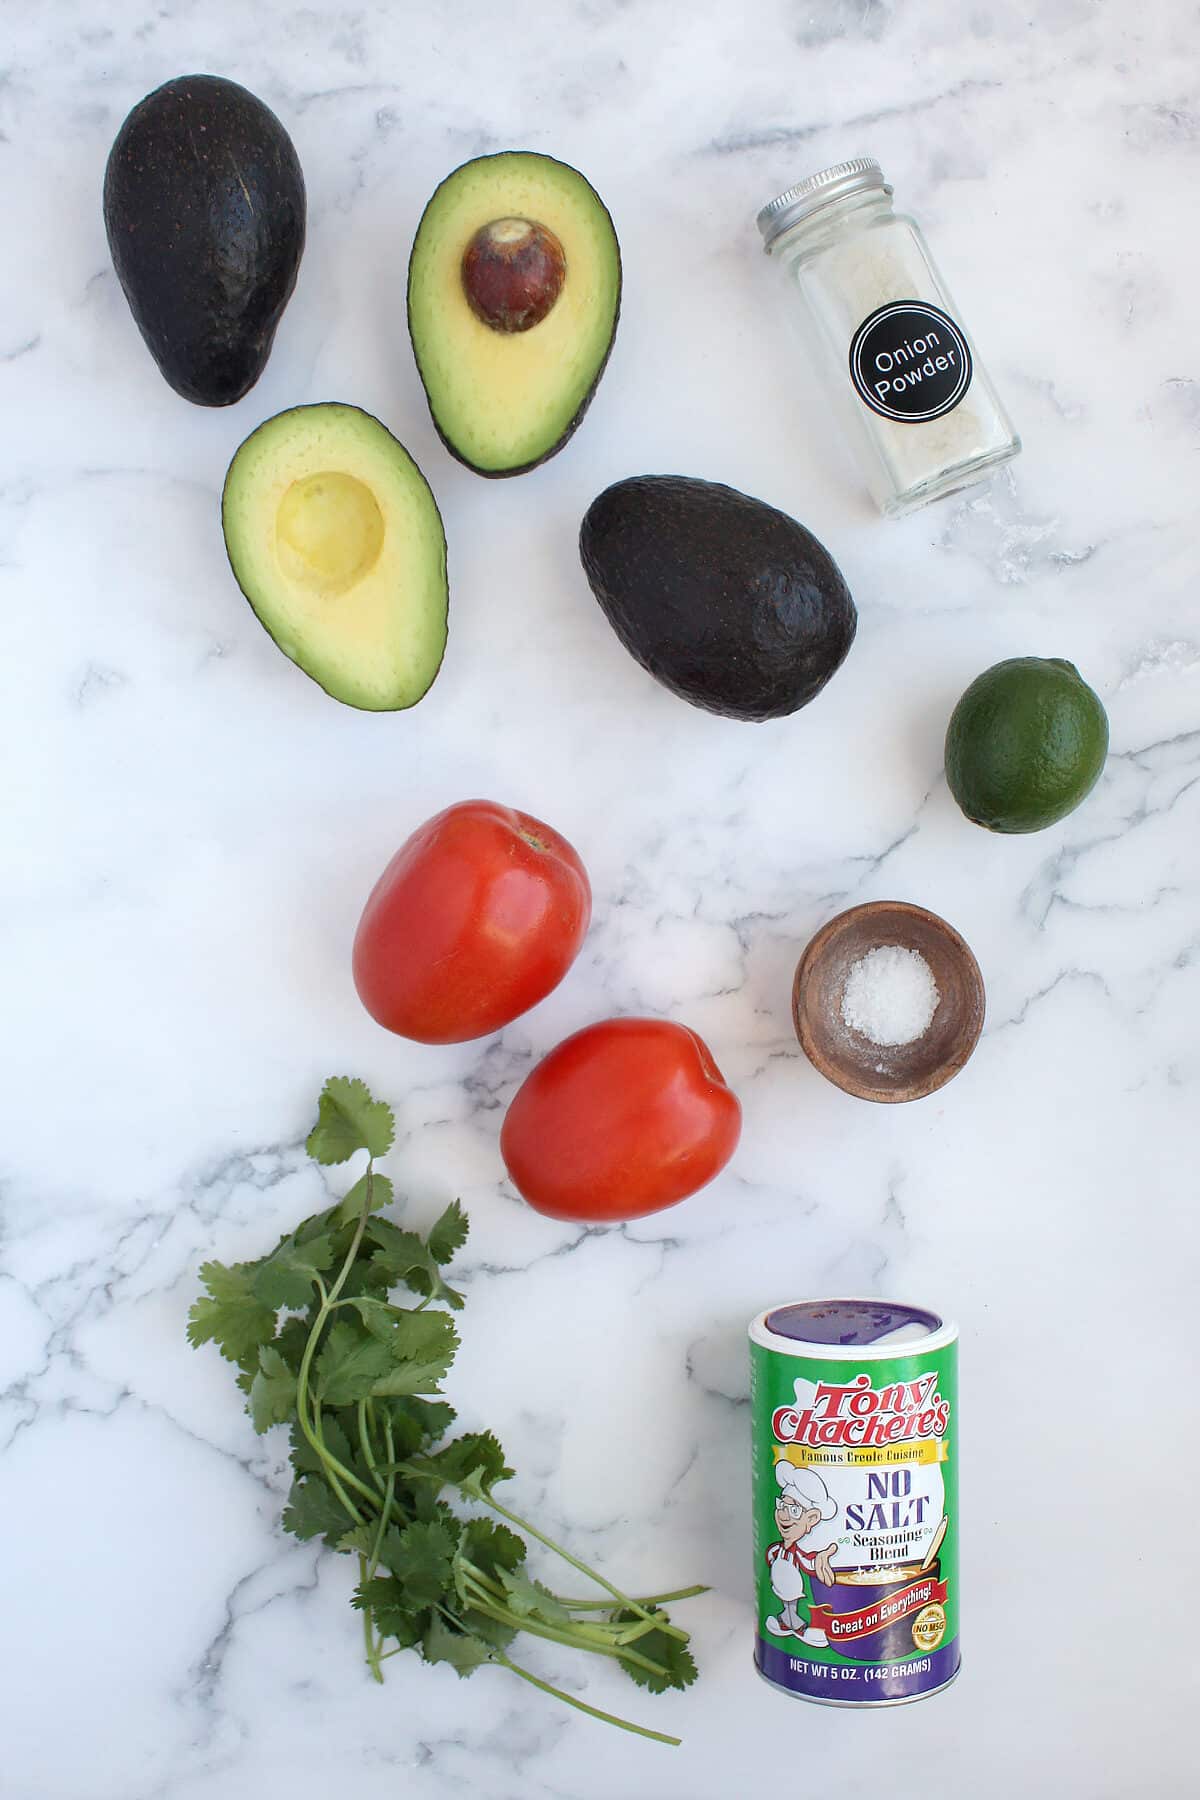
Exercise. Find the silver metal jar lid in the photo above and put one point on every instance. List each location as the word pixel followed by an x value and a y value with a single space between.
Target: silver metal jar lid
pixel 857 176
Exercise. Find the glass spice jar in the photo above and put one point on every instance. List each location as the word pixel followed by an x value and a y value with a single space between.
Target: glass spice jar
pixel 901 369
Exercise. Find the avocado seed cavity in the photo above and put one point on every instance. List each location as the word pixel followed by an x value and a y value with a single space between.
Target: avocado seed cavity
pixel 328 532
pixel 512 274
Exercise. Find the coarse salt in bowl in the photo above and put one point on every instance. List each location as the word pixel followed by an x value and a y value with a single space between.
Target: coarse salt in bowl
pixel 888 1001
pixel 890 995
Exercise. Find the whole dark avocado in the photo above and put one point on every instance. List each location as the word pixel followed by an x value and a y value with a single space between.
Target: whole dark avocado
pixel 204 209
pixel 729 603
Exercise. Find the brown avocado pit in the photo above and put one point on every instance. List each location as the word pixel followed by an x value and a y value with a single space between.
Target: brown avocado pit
pixel 512 273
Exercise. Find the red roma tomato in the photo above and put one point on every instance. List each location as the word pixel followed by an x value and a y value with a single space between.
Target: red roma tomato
pixel 622 1119
pixel 473 921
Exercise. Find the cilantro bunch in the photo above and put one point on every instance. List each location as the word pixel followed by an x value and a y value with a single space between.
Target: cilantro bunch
pixel 322 1348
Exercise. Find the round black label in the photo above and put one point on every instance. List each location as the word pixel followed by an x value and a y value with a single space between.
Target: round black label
pixel 909 361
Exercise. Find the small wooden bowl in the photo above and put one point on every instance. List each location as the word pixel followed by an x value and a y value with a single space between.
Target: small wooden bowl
pixel 850 1060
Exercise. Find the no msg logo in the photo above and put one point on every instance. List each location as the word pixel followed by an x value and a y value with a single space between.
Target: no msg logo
pixel 909 361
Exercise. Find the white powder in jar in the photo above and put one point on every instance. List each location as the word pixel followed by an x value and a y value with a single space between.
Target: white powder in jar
pixel 889 266
pixel 848 266
pixel 890 995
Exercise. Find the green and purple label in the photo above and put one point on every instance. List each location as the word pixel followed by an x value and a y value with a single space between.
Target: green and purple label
pixel 855 1521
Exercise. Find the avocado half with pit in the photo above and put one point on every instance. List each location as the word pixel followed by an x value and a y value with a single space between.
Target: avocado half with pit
pixel 514 290
pixel 337 543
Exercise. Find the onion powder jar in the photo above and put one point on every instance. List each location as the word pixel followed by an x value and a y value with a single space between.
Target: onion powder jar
pixel 900 366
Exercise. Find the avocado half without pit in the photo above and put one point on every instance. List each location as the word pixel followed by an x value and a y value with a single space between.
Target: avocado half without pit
pixel 337 543
pixel 514 289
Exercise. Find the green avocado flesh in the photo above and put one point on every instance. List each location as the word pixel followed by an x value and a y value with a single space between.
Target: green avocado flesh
pixel 504 401
pixel 337 543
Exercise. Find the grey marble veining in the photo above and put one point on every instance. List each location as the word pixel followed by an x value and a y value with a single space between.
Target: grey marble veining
pixel 191 828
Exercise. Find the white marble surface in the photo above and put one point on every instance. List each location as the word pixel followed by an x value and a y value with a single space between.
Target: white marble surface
pixel 190 828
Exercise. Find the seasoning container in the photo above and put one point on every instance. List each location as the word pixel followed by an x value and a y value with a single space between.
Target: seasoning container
pixel 854 1434
pixel 888 1001
pixel 900 366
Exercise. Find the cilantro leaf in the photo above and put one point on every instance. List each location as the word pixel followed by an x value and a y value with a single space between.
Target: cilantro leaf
pixel 492 1631
pixel 387 1601
pixel 491 1549
pixel 314 1510
pixel 273 1390
pixel 409 1331
pixel 435 1417
pixel 672 1656
pixel 414 1421
pixel 305 1460
pixel 381 1591
pixel 285 1278
pixel 529 1598
pixel 407 1436
pixel 430 1510
pixel 474 1461
pixel 410 1378
pixel 361 1278
pixel 350 1206
pixel 421 1345
pixel 449 1234
pixel 361 1539
pixel 349 1364
pixel 349 1120
pixel 291 1340
pixel 418 1371
pixel 462 1650
pixel 451 1297
pixel 396 1255
pixel 421 1557
pixel 231 1315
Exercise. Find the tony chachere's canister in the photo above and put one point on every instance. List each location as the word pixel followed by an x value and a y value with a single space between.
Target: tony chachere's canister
pixel 854 1431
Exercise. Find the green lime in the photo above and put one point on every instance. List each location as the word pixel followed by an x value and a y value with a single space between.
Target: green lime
pixel 1025 744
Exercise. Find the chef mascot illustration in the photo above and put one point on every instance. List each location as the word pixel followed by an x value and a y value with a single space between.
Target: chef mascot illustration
pixel 800 1512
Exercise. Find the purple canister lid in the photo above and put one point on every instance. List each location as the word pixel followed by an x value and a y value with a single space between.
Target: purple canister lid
pixel 852 1323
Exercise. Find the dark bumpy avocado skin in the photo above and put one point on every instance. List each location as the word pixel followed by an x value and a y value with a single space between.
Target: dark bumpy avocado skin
pixel 729 603
pixel 205 211
pixel 537 461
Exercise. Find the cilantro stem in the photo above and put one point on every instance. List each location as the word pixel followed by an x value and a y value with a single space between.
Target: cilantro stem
pixel 366 1569
pixel 355 1242
pixel 333 1468
pixel 572 1638
pixel 594 1712
pixel 586 1636
pixel 592 1574
pixel 364 1433
pixel 633 1632
pixel 373 1644
pixel 337 1472
pixel 385 1511
pixel 687 1593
